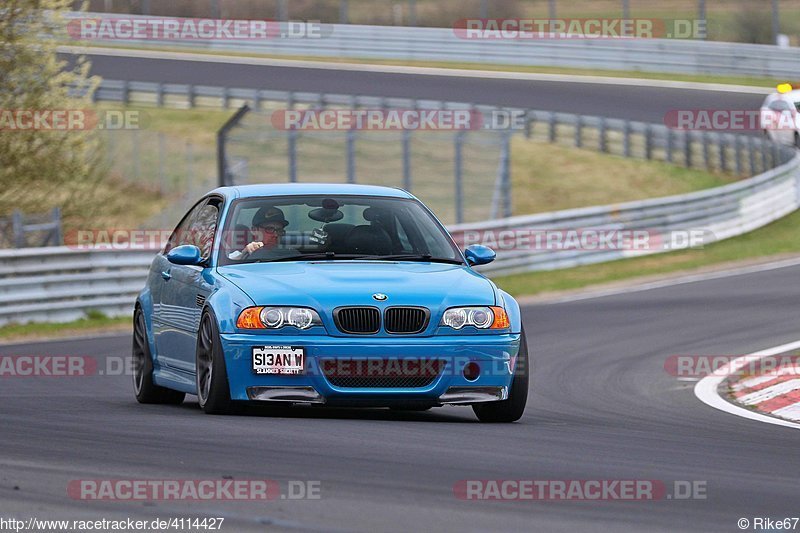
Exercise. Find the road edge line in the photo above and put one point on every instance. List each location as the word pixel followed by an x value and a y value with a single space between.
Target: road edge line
pixel 706 389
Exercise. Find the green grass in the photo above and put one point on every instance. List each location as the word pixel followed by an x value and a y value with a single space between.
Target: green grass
pixel 93 322
pixel 780 237
pixel 545 176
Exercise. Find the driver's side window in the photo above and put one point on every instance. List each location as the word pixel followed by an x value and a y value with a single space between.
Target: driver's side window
pixel 204 227
pixel 194 227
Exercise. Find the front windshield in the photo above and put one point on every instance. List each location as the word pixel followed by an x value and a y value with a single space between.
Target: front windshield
pixel 288 228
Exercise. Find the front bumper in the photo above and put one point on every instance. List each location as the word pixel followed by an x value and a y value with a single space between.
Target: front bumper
pixel 495 355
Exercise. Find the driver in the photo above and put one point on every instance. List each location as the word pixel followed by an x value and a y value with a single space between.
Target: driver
pixel 268 227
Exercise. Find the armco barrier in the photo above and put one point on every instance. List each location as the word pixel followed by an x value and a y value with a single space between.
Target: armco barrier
pixel 442 44
pixel 57 284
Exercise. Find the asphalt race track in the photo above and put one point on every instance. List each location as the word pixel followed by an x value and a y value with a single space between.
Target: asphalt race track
pixel 601 407
pixel 648 104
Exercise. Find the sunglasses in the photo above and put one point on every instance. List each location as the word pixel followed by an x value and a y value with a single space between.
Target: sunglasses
pixel 271 229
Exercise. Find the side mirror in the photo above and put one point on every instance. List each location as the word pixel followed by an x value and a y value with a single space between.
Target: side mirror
pixel 477 254
pixel 186 254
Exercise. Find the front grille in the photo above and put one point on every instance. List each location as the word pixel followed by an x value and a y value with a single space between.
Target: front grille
pixel 358 320
pixel 382 374
pixel 405 319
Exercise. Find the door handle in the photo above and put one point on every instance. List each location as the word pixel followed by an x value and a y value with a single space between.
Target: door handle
pixel 166 275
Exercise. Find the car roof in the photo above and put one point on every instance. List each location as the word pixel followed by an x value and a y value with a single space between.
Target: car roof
pixel 292 189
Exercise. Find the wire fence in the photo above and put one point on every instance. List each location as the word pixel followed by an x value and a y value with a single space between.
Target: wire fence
pixel 464 175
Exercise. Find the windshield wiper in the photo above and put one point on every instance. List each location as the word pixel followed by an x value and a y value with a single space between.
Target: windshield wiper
pixel 335 256
pixel 410 257
pixel 306 257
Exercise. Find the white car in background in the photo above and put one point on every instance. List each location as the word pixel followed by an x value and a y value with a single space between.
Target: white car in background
pixel 780 115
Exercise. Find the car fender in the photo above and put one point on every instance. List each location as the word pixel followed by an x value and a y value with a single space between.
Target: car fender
pixel 226 303
pixel 512 308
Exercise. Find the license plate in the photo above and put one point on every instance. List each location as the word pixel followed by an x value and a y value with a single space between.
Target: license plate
pixel 278 360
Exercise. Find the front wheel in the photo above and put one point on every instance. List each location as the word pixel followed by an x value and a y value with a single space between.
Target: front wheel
pixel 143 387
pixel 213 391
pixel 510 410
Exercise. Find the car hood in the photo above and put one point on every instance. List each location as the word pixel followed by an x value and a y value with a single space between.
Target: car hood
pixel 325 285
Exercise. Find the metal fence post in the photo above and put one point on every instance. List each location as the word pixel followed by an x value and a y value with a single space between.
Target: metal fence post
pixel 737 145
pixel 626 139
pixel 505 162
pixel 458 175
pixel 602 142
pixel 764 165
pixel 18 228
pixel 55 215
pixel 706 158
pixel 668 133
pixel 529 122
pixel 551 127
pixel 126 92
pixel 407 159
pixel 351 155
pixel 687 149
pixel 190 95
pixel 344 16
pixel 723 159
pixel 223 176
pixel 751 155
pixel 160 94
pixel 291 152
pixel 579 132
pixel 648 141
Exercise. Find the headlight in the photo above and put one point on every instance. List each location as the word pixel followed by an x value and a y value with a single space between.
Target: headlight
pixel 277 317
pixel 480 317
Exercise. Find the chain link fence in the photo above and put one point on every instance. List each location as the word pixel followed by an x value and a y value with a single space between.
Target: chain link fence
pixel 461 175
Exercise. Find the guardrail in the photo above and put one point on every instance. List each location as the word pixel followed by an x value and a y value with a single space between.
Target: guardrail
pixel 57 284
pixel 442 44
pixel 60 284
pixel 717 214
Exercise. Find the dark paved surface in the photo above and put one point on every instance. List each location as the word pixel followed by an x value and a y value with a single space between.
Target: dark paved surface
pixel 601 407
pixel 647 104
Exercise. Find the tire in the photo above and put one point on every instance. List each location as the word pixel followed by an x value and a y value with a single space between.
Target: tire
pixel 143 387
pixel 213 391
pixel 510 410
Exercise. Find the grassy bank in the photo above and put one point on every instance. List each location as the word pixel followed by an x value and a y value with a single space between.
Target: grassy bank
pixel 780 237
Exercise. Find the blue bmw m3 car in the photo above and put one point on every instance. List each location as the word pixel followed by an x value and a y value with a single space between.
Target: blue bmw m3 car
pixel 330 294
